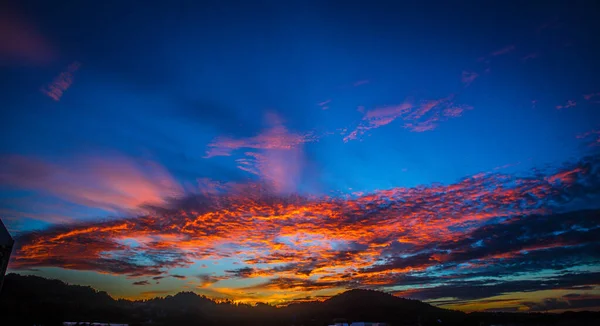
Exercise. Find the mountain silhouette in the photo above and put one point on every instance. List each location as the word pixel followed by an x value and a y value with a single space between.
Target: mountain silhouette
pixel 33 300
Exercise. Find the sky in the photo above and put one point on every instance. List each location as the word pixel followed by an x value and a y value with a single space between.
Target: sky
pixel 446 151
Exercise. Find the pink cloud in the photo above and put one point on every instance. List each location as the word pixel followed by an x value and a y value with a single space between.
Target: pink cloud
pixel 279 160
pixel 534 103
pixel 468 77
pixel 20 41
pixel 590 96
pixel 502 51
pixel 116 183
pixel 61 83
pixel 377 118
pixel 591 134
pixel 276 137
pixel 280 169
pixel 418 118
pixel 324 103
pixel 569 104
pixel 361 82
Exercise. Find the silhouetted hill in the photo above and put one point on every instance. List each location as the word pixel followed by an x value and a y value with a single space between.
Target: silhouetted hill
pixel 29 300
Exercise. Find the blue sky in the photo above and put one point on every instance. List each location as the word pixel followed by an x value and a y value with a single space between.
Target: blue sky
pixel 113 110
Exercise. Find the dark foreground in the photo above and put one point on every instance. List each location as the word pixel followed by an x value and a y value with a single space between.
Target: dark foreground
pixel 29 300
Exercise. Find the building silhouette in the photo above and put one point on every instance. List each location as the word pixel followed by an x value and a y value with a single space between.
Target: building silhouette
pixel 6 245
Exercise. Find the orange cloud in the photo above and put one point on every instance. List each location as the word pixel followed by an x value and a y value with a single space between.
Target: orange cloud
pixel 305 244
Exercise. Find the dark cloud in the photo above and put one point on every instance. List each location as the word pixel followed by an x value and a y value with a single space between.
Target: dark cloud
pixel 476 289
pixel 567 302
pixel 241 272
pixel 141 283
pixel 287 283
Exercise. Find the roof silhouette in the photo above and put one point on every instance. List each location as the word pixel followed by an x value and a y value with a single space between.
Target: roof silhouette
pixel 5 238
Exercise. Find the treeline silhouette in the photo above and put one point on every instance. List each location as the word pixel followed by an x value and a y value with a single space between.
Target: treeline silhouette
pixel 33 300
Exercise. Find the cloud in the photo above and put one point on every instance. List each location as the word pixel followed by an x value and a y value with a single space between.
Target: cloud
pixel 590 96
pixel 241 272
pixel 207 280
pixel 504 50
pixel 181 277
pixel 480 231
pixel 141 283
pixel 113 183
pixel 569 104
pixel 20 40
pixel 594 135
pixel 61 83
pixel 279 160
pixel 530 56
pixel 468 77
pixel 463 290
pixel 324 104
pixel 567 302
pixel 420 117
pixel 361 82
pixel 275 137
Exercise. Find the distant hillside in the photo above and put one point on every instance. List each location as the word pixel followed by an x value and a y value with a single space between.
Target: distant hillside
pixel 28 300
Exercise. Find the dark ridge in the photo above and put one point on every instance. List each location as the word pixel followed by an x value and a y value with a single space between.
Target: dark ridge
pixel 33 300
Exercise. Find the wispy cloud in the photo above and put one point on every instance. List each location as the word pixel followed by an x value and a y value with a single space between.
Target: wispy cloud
pixel 530 56
pixel 569 104
pixel 141 283
pixel 504 50
pixel 420 117
pixel 275 137
pixel 594 135
pixel 324 105
pixel 279 160
pixel 361 82
pixel 468 77
pixel 113 183
pixel 61 83
pixel 591 96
